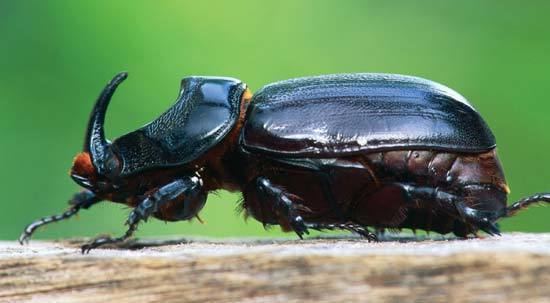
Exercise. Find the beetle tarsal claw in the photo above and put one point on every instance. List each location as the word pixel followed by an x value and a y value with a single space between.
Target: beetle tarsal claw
pixel 490 228
pixel 86 248
pixel 23 239
pixel 299 227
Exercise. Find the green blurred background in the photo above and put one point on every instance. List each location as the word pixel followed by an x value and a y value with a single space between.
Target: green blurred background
pixel 55 56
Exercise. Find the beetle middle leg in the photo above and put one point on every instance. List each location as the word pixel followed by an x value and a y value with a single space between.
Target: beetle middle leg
pixel 81 200
pixel 188 187
pixel 350 226
pixel 282 204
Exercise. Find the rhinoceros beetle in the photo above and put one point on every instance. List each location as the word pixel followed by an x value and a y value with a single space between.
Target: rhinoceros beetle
pixel 345 151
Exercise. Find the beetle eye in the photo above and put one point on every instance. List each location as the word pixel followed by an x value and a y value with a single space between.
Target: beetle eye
pixel 112 165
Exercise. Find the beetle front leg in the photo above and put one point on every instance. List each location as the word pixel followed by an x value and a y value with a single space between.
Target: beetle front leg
pixel 188 187
pixel 81 200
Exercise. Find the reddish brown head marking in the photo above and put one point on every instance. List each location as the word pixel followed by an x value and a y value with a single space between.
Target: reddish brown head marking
pixel 82 166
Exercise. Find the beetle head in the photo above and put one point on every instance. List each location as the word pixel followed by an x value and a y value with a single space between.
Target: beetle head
pixel 97 167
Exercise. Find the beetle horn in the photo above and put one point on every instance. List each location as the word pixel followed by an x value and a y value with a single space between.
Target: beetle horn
pixel 95 142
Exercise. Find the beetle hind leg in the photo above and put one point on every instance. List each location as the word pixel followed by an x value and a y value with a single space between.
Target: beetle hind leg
pixel 524 203
pixel 482 219
pixel 454 205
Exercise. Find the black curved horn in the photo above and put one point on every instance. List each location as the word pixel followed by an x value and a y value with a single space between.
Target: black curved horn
pixel 95 142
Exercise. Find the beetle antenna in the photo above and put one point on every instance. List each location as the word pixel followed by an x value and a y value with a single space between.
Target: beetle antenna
pixel 524 203
pixel 95 142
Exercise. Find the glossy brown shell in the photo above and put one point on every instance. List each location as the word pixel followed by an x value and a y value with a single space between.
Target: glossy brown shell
pixel 344 114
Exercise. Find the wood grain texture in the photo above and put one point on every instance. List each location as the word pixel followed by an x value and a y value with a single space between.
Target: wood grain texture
pixel 512 268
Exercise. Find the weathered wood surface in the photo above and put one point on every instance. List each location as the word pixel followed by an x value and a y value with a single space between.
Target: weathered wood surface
pixel 511 268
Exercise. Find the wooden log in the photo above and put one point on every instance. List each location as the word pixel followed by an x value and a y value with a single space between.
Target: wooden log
pixel 511 268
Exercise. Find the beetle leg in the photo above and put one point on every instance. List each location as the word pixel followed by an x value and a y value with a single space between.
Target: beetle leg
pixel 455 206
pixel 81 200
pixel 355 228
pixel 380 232
pixel 188 187
pixel 282 205
pixel 524 203
pixel 323 170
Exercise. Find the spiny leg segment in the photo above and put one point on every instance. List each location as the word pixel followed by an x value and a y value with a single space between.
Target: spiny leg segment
pixel 352 227
pixel 524 203
pixel 186 187
pixel 454 205
pixel 81 200
pixel 282 203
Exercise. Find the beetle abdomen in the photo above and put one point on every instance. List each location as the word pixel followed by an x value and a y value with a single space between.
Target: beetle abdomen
pixel 477 178
pixel 367 189
pixel 344 114
pixel 438 169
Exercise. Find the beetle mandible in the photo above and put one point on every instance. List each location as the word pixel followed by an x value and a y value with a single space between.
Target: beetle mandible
pixel 344 151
